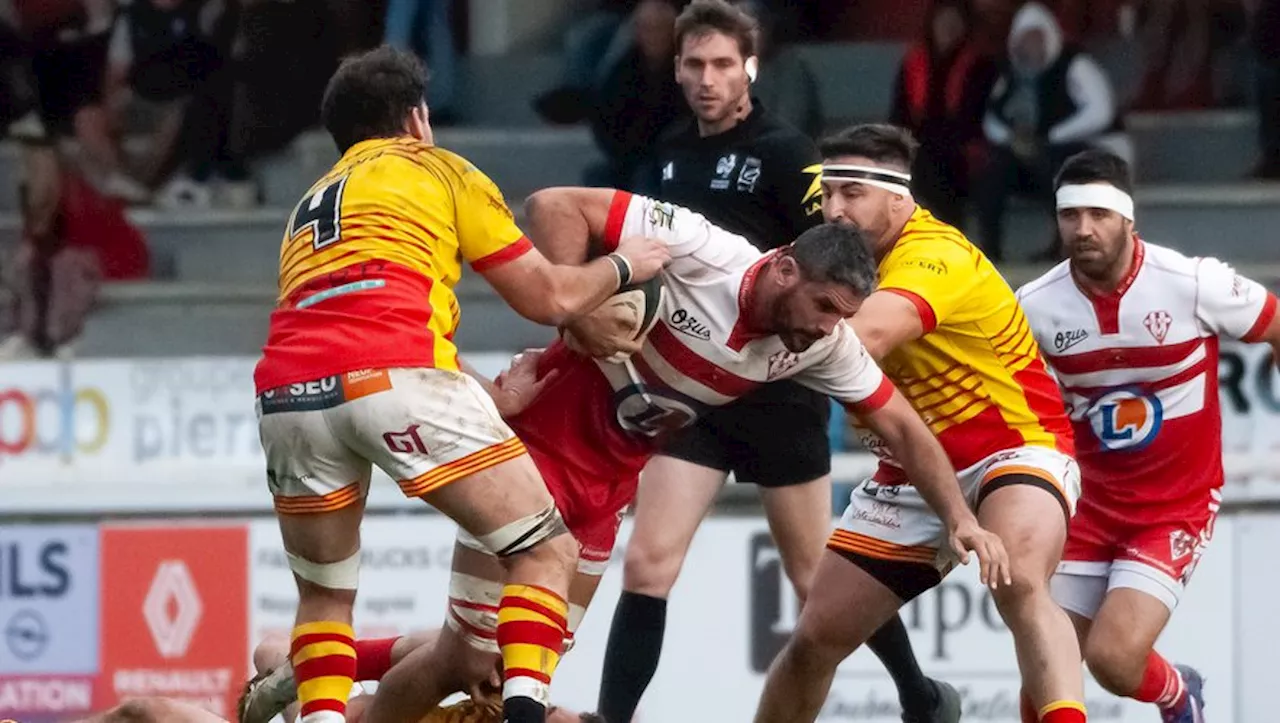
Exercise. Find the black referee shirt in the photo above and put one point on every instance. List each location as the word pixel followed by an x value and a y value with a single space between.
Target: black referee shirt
pixel 759 179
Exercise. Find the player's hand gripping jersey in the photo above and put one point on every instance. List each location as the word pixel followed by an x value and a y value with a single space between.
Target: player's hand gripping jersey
pixel 1139 371
pixel 380 240
pixel 594 427
pixel 976 376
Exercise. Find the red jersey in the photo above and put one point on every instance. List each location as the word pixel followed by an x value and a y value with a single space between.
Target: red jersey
pixel 1139 372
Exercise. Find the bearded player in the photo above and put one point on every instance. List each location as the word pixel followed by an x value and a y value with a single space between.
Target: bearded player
pixel 948 331
pixel 359 369
pixel 1132 331
pixel 594 425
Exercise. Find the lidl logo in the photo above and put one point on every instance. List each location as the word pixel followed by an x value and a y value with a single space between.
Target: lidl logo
pixel 1126 419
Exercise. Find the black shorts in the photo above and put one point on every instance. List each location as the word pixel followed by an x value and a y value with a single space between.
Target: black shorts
pixel 774 437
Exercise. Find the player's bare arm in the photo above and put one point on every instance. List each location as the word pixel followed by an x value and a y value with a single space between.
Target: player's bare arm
pixel 551 293
pixel 567 225
pixel 926 464
pixel 886 321
pixel 517 386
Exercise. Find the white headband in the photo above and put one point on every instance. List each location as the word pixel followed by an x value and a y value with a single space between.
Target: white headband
pixel 1096 195
pixel 886 178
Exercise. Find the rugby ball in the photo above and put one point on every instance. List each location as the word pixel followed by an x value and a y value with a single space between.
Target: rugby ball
pixel 636 308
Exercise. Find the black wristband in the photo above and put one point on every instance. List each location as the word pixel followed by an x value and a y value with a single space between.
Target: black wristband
pixel 623 267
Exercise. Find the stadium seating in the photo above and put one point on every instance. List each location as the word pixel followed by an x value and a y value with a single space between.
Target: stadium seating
pixel 215 269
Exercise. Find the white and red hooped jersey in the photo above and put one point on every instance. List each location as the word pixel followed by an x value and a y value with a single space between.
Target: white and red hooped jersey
pixel 602 419
pixel 1139 373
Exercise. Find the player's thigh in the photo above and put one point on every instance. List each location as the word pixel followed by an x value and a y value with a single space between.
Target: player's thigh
pixel 892 535
pixel 800 520
pixel 847 604
pixel 1126 626
pixel 155 710
pixel 439 435
pixel 673 498
pixel 1027 496
pixel 318 482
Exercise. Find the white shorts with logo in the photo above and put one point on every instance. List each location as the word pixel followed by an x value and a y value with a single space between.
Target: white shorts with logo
pixel 424 427
pixel 893 523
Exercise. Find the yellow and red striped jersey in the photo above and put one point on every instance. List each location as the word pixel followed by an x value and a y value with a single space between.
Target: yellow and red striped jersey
pixel 976 377
pixel 370 258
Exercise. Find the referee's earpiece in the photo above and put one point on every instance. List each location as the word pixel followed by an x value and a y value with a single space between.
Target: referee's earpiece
pixel 753 68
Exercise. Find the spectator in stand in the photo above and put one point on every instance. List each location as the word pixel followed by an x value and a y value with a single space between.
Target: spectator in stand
pixel 637 101
pixel 71 235
pixel 286 51
pixel 1176 39
pixel 786 84
pixel 176 54
pixel 67 44
pixel 1266 44
pixel 1050 101
pixel 425 27
pixel 940 94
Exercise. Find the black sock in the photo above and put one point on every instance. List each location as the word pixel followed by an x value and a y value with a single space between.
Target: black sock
pixel 520 709
pixel 631 657
pixel 893 647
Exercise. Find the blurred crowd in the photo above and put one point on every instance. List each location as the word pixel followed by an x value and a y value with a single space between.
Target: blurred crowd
pixel 168 102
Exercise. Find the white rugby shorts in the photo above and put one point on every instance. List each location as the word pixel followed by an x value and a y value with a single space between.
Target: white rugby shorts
pixel 423 427
pixel 894 523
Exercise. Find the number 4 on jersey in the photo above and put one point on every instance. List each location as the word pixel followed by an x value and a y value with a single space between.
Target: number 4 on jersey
pixel 319 212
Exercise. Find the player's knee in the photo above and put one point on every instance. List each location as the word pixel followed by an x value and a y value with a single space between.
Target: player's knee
pixel 1021 593
pixel 812 651
pixel 271 653
pixel 651 569
pixel 1113 664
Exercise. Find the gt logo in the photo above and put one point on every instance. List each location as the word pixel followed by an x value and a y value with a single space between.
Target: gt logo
pixel 1126 419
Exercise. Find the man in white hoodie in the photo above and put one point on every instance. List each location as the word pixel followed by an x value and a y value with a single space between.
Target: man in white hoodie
pixel 1051 101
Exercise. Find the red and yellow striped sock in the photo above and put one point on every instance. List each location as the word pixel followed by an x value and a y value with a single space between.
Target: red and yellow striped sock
pixel 531 630
pixel 1063 711
pixel 324 664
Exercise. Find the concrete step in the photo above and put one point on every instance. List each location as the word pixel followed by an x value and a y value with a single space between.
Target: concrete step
pixel 176 319
pixel 158 318
pixel 241 247
pixel 1200 147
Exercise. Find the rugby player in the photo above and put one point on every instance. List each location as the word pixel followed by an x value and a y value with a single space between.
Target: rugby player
pixel 948 331
pixel 751 173
pixel 359 368
pixel 594 425
pixel 1132 331
pixel 273 652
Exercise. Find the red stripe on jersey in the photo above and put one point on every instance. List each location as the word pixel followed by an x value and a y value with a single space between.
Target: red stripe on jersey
pixel 1181 377
pixel 878 398
pixel 687 362
pixel 1259 327
pixel 617 217
pixel 742 331
pixel 1107 306
pixel 928 319
pixel 503 255
pixel 1044 399
pixel 1125 358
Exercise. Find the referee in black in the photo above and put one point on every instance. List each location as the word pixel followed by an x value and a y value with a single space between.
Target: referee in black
pixel 751 174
